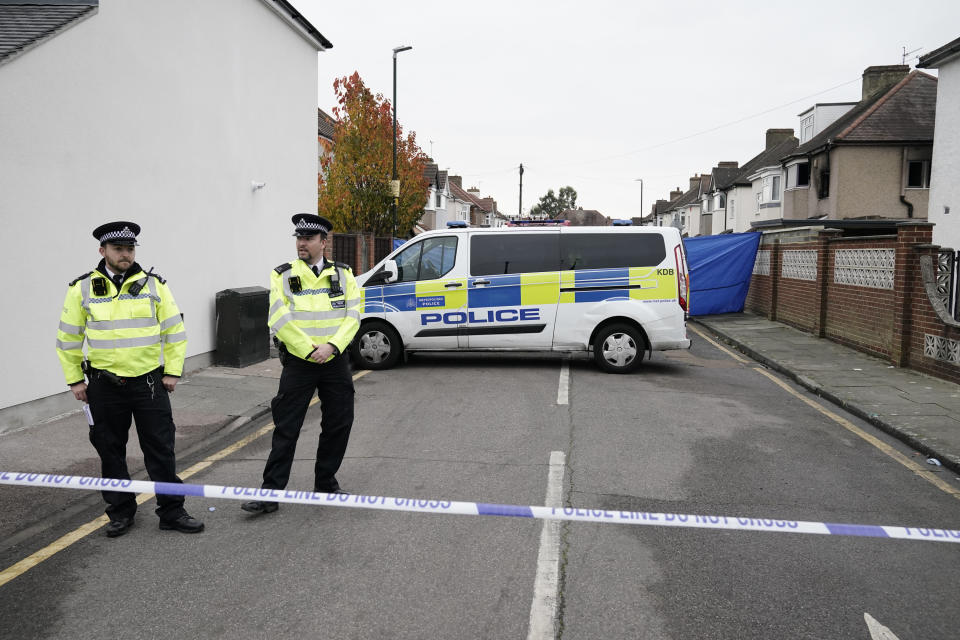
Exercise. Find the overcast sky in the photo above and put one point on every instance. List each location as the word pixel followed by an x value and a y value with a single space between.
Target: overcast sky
pixel 597 94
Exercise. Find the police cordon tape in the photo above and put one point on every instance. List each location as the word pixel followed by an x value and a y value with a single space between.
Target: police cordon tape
pixel 606 516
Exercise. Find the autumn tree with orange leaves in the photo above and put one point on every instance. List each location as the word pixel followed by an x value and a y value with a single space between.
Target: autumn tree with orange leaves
pixel 355 181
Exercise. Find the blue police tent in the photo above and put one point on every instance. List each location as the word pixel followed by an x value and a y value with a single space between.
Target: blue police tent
pixel 720 270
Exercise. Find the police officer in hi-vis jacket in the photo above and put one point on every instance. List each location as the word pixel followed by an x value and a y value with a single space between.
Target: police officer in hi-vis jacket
pixel 136 344
pixel 314 313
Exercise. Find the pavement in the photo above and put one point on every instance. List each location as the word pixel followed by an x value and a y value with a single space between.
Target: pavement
pixel 216 405
pixel 212 407
pixel 920 410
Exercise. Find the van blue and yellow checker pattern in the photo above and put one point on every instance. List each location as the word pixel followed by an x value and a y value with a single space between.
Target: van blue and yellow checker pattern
pixel 634 283
pixel 412 296
pixel 528 289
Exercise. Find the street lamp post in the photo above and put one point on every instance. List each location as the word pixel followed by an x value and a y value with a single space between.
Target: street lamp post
pixel 642 214
pixel 395 184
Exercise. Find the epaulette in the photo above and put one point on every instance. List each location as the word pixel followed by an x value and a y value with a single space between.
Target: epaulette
pixel 286 266
pixel 343 265
pixel 158 277
pixel 79 278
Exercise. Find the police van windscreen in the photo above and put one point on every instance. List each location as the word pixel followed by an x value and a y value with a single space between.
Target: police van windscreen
pixel 504 253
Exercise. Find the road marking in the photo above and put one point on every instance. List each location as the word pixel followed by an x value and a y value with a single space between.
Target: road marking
pixel 563 390
pixel 730 353
pixel 546 586
pixel 877 630
pixel 83 531
pixel 915 467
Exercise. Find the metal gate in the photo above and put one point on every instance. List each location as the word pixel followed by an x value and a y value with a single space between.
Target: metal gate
pixel 948 289
pixel 381 248
pixel 345 249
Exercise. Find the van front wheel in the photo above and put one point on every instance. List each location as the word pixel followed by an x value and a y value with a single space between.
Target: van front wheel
pixel 377 346
pixel 618 348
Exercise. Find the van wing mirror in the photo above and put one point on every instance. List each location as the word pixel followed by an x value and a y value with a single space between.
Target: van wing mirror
pixel 385 275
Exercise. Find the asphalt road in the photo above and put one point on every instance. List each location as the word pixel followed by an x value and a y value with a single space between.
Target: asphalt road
pixel 695 432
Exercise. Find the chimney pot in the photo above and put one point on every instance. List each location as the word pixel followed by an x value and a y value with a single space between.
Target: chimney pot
pixel 880 78
pixel 777 136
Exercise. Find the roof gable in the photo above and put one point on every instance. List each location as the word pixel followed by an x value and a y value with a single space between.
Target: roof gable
pixel 903 113
pixel 325 124
pixel 25 25
pixel 766 158
pixel 723 177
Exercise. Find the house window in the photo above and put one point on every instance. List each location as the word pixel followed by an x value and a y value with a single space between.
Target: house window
pixel 824 190
pixel 770 191
pixel 733 211
pixel 806 129
pixel 798 175
pixel 721 201
pixel 437 204
pixel 918 174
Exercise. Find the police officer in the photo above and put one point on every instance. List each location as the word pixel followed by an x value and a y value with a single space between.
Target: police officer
pixel 314 313
pixel 136 344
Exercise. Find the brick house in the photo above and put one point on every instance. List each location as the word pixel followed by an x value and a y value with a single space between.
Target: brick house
pixel 944 204
pixel 873 161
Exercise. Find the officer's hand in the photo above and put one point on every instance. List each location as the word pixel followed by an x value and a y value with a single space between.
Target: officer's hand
pixel 169 383
pixel 79 391
pixel 322 352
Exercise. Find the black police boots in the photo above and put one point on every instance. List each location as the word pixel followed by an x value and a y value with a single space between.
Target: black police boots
pixel 258 506
pixel 183 523
pixel 119 526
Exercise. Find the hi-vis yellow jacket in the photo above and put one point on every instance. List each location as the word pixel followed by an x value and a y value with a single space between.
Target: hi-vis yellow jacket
pixel 129 332
pixel 306 309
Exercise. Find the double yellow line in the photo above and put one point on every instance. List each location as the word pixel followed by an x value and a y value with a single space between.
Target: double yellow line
pixel 83 531
pixel 913 466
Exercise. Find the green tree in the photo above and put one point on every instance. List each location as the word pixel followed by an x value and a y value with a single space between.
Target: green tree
pixel 354 185
pixel 552 205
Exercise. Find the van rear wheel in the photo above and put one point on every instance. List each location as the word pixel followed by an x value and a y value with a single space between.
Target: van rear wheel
pixel 618 348
pixel 377 346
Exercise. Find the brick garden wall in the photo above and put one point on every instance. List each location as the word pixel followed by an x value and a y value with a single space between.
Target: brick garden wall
pixel 858 316
pixel 867 293
pixel 360 250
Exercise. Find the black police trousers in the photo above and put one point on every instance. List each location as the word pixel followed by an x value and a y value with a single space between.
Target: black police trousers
pixel 145 400
pixel 333 383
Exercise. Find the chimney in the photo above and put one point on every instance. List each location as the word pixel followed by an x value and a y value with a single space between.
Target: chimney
pixel 473 190
pixel 657 205
pixel 695 182
pixel 457 180
pixel 728 164
pixel 676 193
pixel 881 78
pixel 777 136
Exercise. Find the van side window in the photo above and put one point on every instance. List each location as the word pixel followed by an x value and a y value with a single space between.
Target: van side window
pixel 500 253
pixel 609 251
pixel 427 260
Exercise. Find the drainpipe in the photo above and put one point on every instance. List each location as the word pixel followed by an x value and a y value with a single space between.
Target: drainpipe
pixel 904 187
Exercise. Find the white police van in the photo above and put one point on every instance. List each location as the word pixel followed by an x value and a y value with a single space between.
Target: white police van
pixel 618 291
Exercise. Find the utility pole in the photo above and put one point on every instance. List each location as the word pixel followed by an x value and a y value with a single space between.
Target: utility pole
pixel 395 183
pixel 520 208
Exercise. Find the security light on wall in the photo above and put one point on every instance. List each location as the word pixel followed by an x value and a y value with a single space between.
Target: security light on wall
pixel 257 185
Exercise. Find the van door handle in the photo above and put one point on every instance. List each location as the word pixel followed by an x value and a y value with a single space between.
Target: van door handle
pixel 476 282
pixel 451 285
